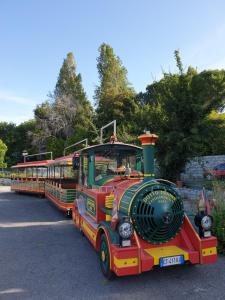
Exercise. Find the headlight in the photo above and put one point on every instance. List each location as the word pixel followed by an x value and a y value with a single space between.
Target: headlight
pixel 206 222
pixel 125 230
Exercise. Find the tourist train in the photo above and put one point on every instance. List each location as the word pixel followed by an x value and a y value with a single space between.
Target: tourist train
pixel 134 221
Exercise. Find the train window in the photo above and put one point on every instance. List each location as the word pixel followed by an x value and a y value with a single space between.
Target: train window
pixel 41 172
pixel 29 172
pixel 22 172
pixel 76 163
pixel 57 172
pixel 109 163
pixel 84 170
pixel 67 172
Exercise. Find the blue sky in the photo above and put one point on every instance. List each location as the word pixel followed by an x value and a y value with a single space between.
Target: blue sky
pixel 35 37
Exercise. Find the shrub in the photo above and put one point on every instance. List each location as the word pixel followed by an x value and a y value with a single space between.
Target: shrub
pixel 218 214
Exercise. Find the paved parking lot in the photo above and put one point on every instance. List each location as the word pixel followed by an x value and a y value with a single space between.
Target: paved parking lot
pixel 42 256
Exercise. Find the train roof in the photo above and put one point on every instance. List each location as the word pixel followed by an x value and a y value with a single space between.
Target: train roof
pixel 63 160
pixel 40 163
pixel 115 145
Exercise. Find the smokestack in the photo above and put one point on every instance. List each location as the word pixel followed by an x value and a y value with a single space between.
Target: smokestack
pixel 148 141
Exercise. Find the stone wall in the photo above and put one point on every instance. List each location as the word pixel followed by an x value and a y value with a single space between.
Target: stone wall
pixel 5 181
pixel 194 169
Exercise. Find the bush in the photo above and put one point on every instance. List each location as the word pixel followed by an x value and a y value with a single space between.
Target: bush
pixel 218 214
pixel 4 174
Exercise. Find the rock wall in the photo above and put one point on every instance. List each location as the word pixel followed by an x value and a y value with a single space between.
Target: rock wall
pixel 5 181
pixel 194 169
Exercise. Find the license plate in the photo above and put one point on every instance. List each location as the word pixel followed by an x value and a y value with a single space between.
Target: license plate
pixel 171 261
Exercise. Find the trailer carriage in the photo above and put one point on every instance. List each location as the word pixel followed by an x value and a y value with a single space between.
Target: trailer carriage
pixel 29 177
pixel 61 183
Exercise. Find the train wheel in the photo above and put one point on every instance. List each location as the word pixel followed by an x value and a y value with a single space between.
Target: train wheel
pixel 104 255
pixel 69 213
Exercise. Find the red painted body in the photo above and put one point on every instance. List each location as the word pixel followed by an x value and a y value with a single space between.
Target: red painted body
pixel 27 178
pixel 187 239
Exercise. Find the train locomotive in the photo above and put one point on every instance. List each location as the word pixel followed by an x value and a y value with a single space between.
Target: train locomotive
pixel 134 221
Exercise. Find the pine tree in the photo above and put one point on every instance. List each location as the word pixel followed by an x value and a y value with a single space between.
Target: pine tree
pixel 68 114
pixel 69 83
pixel 115 98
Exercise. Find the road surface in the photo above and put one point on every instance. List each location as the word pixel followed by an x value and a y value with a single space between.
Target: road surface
pixel 42 256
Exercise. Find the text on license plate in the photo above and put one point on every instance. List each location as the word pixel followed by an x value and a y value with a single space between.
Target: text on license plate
pixel 171 260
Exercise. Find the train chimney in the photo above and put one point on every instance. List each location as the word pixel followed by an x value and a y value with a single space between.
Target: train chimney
pixel 148 141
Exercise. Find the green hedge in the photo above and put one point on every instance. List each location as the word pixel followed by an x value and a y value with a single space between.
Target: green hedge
pixel 219 214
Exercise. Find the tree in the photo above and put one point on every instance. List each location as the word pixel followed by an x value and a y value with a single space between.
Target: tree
pixel 115 99
pixel 17 138
pixel 66 114
pixel 3 149
pixel 181 105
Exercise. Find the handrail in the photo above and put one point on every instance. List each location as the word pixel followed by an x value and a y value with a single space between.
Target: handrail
pixel 84 140
pixel 42 153
pixel 107 125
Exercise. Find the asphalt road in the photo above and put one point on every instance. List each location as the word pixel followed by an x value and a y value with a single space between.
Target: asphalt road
pixel 42 256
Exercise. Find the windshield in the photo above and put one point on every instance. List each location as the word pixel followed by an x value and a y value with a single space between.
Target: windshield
pixel 110 163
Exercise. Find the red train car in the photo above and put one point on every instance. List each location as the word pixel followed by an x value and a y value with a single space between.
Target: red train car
pixel 134 221
pixel 29 177
pixel 60 186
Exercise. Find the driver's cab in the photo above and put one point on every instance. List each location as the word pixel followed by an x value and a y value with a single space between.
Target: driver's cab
pixel 106 162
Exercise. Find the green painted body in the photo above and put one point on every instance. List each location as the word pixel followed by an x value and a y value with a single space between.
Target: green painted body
pixel 156 211
pixel 148 152
pixel 91 166
pixel 90 203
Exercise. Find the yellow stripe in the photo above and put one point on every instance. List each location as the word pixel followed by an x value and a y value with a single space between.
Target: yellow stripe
pixel 108 218
pixel 209 251
pixel 157 253
pixel 88 230
pixel 145 144
pixel 149 175
pixel 125 262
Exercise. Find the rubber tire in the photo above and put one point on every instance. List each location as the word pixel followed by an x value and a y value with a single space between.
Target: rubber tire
pixel 69 214
pixel 105 265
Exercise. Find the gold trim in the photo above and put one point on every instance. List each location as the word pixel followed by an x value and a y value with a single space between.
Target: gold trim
pixel 88 230
pixel 209 251
pixel 160 252
pixel 125 262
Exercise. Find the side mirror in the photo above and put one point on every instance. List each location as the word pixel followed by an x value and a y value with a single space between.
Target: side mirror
pixel 76 163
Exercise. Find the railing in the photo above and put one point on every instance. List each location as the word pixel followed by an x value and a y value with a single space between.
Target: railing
pixel 63 195
pixel 29 186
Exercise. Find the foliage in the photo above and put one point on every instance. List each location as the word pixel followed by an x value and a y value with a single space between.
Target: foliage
pixel 5 173
pixel 219 214
pixel 67 114
pixel 17 138
pixel 3 149
pixel 179 107
pixel 115 99
pixel 184 108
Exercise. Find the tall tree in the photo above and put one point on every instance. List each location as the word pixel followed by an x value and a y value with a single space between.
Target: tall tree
pixel 115 98
pixel 68 113
pixel 3 149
